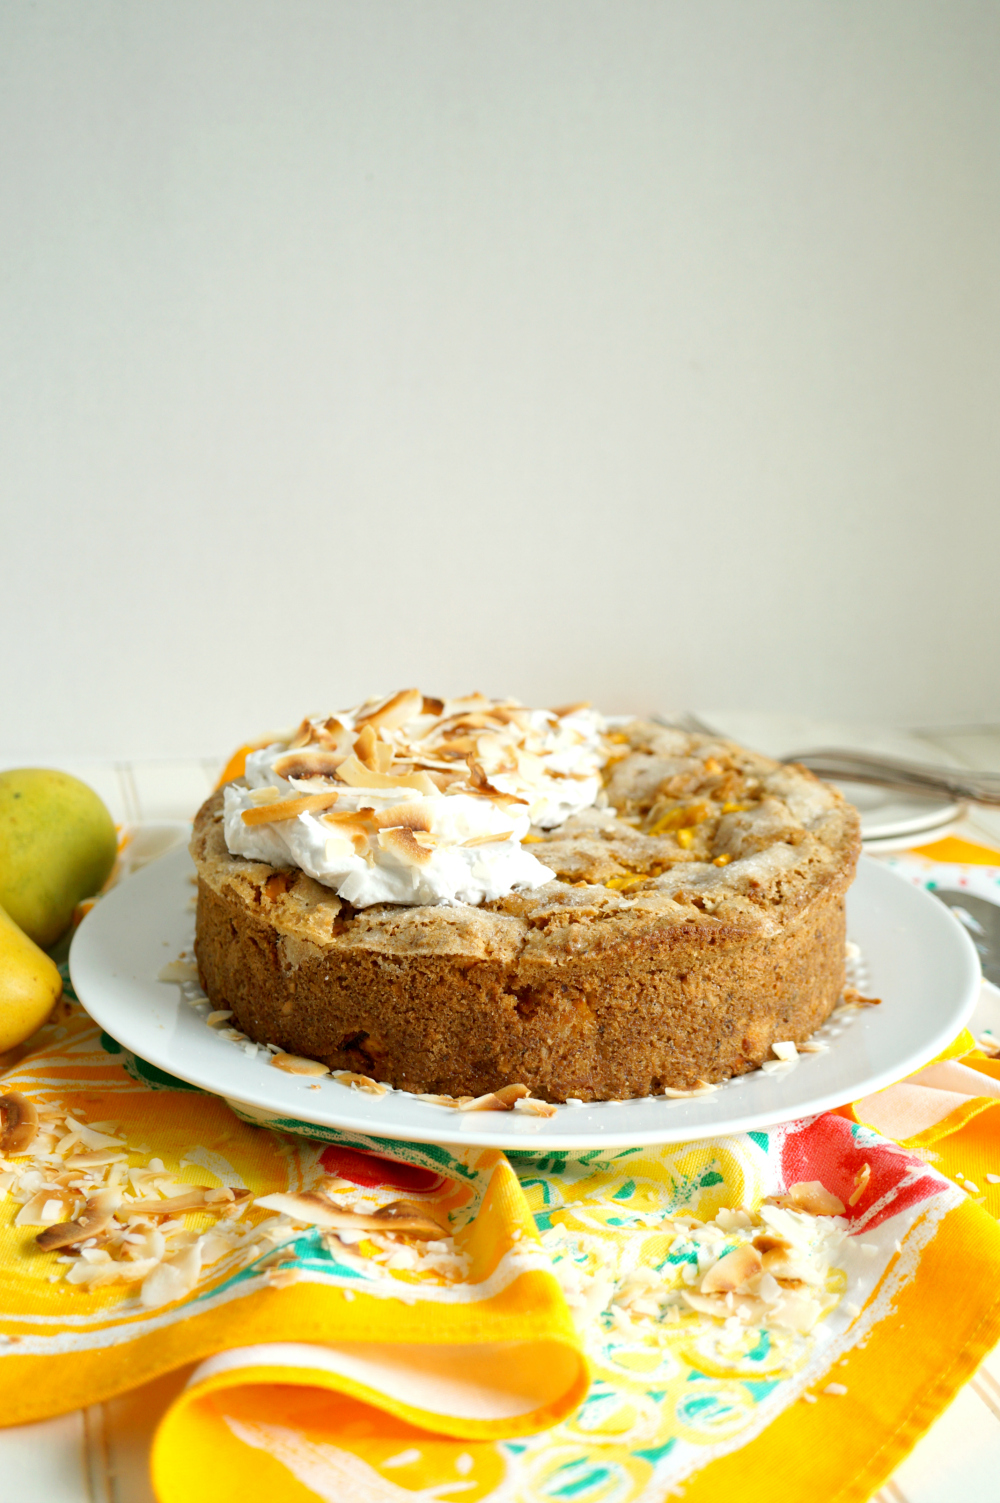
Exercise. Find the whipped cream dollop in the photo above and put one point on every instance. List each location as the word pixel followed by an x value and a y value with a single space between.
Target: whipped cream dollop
pixel 417 800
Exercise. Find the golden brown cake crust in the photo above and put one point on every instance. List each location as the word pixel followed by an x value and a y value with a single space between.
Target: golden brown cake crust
pixel 695 921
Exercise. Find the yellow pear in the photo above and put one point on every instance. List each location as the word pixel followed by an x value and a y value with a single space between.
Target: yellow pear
pixel 57 845
pixel 30 985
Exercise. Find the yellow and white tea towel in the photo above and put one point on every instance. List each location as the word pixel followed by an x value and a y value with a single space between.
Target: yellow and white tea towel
pixel 777 1313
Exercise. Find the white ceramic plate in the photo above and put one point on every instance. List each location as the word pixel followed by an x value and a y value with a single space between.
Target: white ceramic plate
pixel 914 841
pixel 902 818
pixel 918 959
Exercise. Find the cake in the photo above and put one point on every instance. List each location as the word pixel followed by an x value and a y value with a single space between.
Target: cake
pixel 452 897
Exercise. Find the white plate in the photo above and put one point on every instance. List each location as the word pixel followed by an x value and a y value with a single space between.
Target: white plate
pixel 885 814
pixel 899 817
pixel 919 960
pixel 914 841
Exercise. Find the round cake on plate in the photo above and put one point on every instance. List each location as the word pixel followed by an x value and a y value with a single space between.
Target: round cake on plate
pixel 456 896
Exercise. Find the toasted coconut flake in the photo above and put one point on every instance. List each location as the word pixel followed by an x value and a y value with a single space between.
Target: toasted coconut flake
pixel 767 1242
pixel 733 1271
pixel 155 1177
pixel 360 1082
pixel 481 785
pixel 91 1137
pixel 564 710
pixel 535 1108
pixel 281 1277
pixel 853 998
pixel 813 1046
pixel 294 1064
pixel 289 808
pixel 353 829
pixel 394 712
pixel 333 1182
pixel 488 1103
pixel 18 1123
pixel 198 1198
pixel 509 1094
pixel 48 1205
pixel 364 748
pixel 172 1279
pixel 403 844
pixel 303 736
pixel 96 1160
pixel 330 735
pixel 812 1195
pixel 861 1180
pixel 412 816
pixel 214 1019
pixel 340 845
pixel 467 705
pixel 785 1050
pixel 354 773
pixel 406 1210
pixel 778 1261
pixel 268 795
pixel 334 736
pixel 96 1217
pixel 177 972
pixel 319 1210
pixel 95 1275
pixel 303 766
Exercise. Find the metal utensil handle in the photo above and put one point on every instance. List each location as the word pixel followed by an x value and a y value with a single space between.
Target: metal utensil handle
pixel 894 772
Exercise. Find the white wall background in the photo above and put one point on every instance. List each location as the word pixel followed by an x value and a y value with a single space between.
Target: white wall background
pixel 645 352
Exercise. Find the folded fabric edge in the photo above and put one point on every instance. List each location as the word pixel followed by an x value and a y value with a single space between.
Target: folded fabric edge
pixel 882 1117
pixel 517 1413
pixel 194 1418
pixel 304 1312
pixel 868 1110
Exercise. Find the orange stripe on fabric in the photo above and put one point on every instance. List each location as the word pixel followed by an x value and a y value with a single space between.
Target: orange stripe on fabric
pixel 954 849
pixel 896 1386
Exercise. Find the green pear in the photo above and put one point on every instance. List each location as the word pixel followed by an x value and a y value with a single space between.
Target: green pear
pixel 30 985
pixel 57 846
